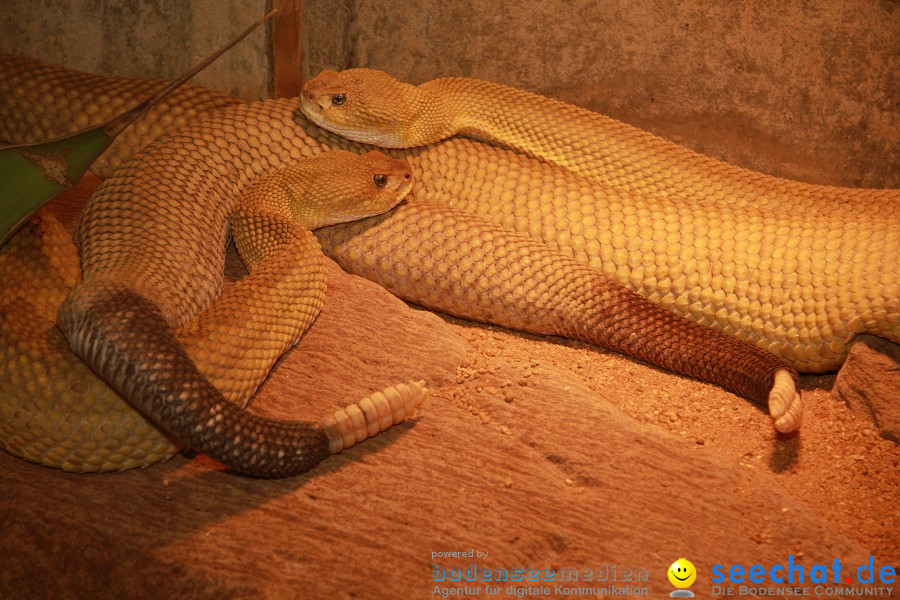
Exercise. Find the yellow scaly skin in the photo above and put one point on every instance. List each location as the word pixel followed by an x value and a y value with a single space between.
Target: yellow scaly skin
pixel 80 100
pixel 794 268
pixel 55 412
pixel 53 409
pixel 541 291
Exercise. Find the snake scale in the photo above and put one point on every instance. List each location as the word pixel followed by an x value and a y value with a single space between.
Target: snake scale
pixel 449 246
pixel 149 319
pixel 796 268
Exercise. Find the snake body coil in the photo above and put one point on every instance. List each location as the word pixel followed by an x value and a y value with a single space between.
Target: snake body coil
pixel 795 268
pixel 158 227
pixel 148 316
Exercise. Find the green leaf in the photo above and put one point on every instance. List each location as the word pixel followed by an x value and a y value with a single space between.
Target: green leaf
pixel 33 174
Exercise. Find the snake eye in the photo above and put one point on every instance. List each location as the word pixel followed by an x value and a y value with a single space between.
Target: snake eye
pixel 338 99
pixel 380 180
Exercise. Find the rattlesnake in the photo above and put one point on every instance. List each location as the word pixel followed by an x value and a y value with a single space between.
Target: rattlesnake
pixel 795 268
pixel 427 252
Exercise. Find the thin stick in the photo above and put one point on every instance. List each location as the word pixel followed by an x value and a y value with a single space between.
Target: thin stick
pixel 116 125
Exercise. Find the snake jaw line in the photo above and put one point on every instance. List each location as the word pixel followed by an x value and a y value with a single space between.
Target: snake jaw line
pixel 372 415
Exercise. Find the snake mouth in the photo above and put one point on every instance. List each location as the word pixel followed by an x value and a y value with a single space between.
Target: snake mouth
pixel 313 108
pixel 404 189
pixel 310 108
pixel 315 112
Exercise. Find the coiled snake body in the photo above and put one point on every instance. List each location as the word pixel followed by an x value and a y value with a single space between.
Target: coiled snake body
pixel 798 269
pixel 149 319
pixel 426 249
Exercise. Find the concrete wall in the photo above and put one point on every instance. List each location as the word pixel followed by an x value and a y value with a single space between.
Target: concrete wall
pixel 143 38
pixel 801 89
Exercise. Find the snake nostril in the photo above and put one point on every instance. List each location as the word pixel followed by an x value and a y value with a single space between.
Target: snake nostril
pixel 407 175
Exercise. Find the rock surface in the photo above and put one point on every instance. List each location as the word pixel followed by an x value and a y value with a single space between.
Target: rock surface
pixel 869 382
pixel 541 452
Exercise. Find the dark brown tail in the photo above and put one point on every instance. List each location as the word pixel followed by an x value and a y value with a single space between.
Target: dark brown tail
pixel 126 340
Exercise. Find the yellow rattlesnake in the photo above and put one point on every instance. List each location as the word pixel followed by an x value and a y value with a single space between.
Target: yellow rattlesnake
pixel 376 109
pixel 439 256
pixel 183 356
pixel 795 268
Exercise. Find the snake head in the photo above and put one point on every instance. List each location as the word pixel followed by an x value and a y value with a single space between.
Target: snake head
pixel 363 105
pixel 391 176
pixel 340 186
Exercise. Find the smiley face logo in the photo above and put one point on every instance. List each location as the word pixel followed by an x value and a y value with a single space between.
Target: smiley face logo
pixel 682 573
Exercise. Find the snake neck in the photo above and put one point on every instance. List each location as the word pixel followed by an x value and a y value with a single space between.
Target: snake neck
pixel 602 148
pixel 429 116
pixel 588 143
pixel 505 116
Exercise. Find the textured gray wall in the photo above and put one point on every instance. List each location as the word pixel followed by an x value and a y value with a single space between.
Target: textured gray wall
pixel 143 38
pixel 796 88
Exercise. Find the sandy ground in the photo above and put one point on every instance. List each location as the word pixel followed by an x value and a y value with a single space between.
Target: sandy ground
pixel 533 453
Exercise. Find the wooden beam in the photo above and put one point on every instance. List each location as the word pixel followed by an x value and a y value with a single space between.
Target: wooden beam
pixel 287 54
